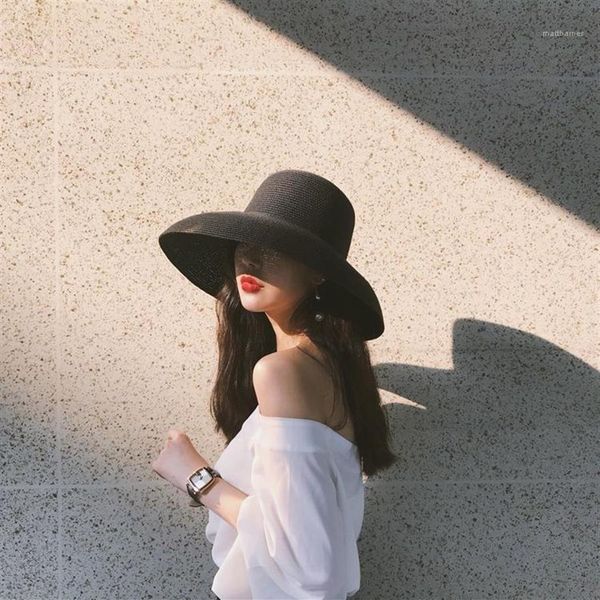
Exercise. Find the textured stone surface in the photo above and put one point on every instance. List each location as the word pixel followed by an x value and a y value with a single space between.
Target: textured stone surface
pixel 466 140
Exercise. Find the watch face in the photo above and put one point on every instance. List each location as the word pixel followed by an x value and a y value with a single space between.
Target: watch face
pixel 197 478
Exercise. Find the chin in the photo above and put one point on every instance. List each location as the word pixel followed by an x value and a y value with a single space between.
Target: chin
pixel 253 304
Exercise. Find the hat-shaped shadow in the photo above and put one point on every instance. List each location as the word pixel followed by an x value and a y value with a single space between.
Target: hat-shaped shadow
pixel 496 483
pixel 493 77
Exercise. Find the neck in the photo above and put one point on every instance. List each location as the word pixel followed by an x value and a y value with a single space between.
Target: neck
pixel 284 337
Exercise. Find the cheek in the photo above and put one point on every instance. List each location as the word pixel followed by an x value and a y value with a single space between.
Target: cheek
pixel 292 284
pixel 283 293
pixel 276 294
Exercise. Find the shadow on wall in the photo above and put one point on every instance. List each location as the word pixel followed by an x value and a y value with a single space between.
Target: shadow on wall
pixel 495 494
pixel 483 74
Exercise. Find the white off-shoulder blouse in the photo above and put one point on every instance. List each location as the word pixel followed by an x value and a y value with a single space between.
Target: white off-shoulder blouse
pixel 299 526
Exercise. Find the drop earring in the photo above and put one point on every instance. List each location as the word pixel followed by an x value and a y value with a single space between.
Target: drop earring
pixel 318 315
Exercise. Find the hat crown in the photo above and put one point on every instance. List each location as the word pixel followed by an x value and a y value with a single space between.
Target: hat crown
pixel 308 201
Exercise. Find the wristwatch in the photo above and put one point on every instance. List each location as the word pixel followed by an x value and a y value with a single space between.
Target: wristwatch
pixel 199 482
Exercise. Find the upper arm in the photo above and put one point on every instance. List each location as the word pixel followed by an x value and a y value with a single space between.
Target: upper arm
pixel 280 390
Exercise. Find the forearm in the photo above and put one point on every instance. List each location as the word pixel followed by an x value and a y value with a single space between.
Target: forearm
pixel 224 499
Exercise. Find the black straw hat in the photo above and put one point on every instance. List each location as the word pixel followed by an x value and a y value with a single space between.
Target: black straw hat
pixel 296 212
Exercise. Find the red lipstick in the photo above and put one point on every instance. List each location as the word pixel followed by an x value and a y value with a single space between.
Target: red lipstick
pixel 249 284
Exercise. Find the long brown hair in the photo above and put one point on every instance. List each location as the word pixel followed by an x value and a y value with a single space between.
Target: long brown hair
pixel 243 337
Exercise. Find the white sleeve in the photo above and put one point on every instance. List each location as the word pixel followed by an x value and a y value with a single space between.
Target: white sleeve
pixel 290 528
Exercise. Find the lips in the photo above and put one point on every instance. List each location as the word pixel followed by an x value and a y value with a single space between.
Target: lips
pixel 249 284
pixel 250 279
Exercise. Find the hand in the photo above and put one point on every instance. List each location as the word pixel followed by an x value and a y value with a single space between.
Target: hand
pixel 178 459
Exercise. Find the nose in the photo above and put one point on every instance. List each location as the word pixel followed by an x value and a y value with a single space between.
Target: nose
pixel 249 265
pixel 249 257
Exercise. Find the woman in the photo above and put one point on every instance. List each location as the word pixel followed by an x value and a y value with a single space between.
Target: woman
pixel 295 393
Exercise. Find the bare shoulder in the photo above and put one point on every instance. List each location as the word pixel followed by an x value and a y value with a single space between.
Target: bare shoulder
pixel 280 384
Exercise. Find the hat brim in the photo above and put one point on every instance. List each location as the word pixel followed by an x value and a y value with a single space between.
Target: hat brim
pixel 201 248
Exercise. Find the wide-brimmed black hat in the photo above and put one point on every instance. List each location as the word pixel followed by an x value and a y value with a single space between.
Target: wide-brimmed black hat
pixel 295 212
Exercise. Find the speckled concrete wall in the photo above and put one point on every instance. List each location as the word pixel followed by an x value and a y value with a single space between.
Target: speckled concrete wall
pixel 466 138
